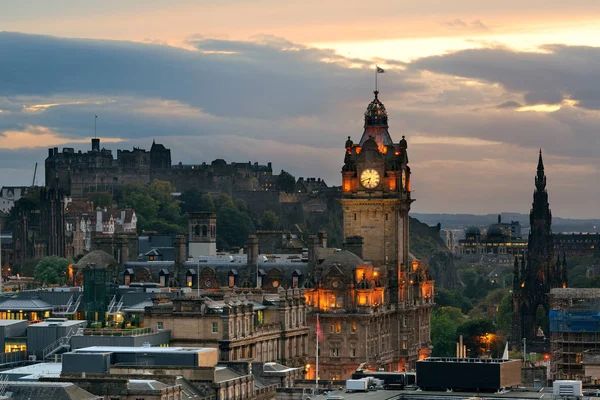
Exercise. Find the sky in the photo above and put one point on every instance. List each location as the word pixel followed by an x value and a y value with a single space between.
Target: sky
pixel 476 87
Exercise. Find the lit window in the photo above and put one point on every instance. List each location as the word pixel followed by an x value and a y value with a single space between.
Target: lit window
pixel 353 326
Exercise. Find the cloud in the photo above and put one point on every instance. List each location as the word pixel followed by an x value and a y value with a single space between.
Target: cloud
pixel 38 136
pixel 550 76
pixel 474 121
pixel 458 23
pixel 509 104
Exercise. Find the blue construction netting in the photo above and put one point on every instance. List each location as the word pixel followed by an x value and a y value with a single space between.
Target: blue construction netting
pixel 574 321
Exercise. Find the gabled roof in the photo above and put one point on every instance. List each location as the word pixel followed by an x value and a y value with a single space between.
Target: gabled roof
pixel 25 305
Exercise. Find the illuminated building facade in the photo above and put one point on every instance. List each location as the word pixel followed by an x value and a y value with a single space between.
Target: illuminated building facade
pixel 373 298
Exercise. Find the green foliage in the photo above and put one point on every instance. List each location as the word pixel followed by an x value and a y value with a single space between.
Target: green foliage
pixel 452 298
pixel 233 228
pixel 269 221
pixel 285 182
pixel 444 324
pixel 235 222
pixel 100 199
pixel 504 314
pixel 155 207
pixel 479 335
pixel 52 270
pixel 576 273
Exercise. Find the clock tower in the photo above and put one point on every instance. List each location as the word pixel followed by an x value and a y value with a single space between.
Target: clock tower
pixel 376 197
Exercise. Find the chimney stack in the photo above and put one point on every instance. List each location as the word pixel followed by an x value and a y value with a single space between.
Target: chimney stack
pixel 180 256
pixel 354 244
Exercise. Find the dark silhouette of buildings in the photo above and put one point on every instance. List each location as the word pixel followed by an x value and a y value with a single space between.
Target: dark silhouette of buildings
pixel 76 174
pixel 538 271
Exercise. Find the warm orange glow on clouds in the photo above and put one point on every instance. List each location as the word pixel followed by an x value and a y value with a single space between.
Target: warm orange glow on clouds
pixel 458 141
pixel 43 107
pixel 39 136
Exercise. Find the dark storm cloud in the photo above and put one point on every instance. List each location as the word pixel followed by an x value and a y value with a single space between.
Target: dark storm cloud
pixel 544 77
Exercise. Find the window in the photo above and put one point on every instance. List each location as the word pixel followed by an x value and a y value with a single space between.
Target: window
pixel 215 327
pixel 404 342
pixel 353 329
pixel 159 325
pixel 352 351
pixel 331 301
pixel 334 351
pixel 336 327
pixel 404 321
pixel 355 217
pixel 339 302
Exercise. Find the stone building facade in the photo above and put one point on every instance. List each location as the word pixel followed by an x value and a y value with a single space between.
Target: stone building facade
pixel 77 173
pixel 251 325
pixel 373 299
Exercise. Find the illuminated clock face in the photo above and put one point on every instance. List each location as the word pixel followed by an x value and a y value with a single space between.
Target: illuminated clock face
pixel 369 178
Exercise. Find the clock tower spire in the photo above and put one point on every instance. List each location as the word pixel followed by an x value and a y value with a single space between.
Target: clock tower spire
pixel 377 198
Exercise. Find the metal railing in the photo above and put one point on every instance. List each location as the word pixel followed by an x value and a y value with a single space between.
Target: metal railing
pixel 62 343
pixel 116 332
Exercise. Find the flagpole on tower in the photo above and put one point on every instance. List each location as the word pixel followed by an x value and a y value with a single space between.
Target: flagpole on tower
pixel 377 72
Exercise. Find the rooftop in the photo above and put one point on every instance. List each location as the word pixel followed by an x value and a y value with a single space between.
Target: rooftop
pixel 58 322
pixel 25 305
pixel 9 322
pixel 125 349
pixel 33 371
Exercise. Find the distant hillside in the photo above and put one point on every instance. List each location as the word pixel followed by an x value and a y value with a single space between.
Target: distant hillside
pixel 426 244
pixel 461 221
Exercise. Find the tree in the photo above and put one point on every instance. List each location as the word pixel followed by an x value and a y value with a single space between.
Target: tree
pixel 285 182
pixel 452 298
pixel 269 221
pixel 444 324
pixel 504 314
pixel 479 335
pixel 53 270
pixel 154 205
pixel 233 228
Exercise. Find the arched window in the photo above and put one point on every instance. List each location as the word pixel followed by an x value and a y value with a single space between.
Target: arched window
pixel 197 230
pixel 204 230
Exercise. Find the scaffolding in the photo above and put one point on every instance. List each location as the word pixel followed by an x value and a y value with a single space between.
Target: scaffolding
pixel 574 332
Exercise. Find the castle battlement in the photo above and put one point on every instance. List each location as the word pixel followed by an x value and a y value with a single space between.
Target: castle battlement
pixel 78 173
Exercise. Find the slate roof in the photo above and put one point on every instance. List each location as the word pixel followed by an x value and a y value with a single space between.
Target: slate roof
pixel 143 384
pixel 139 307
pixel 25 305
pixel 223 374
pixel 48 390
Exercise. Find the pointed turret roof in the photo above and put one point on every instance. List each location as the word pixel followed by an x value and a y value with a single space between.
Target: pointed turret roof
pixel 376 123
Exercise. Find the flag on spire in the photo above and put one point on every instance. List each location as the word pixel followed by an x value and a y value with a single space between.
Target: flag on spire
pixel 319 331
pixel 380 70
